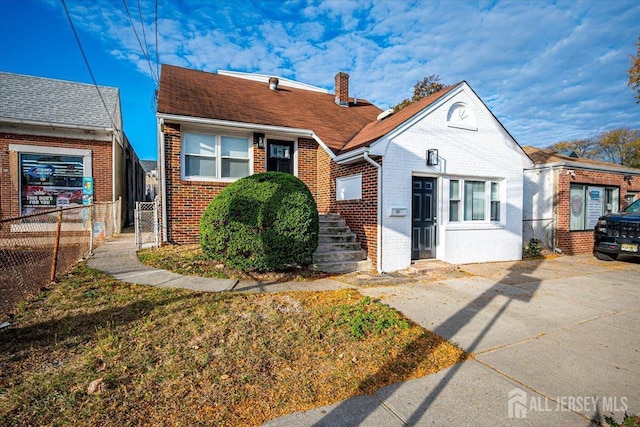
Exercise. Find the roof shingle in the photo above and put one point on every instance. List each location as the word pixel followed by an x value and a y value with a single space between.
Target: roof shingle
pixel 62 102
pixel 207 95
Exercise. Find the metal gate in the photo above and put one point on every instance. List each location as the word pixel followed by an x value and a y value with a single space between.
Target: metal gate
pixel 147 224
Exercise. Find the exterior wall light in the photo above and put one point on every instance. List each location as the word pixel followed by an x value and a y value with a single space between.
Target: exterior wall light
pixel 260 138
pixel 432 157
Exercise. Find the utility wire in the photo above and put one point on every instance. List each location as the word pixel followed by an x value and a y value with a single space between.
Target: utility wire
pixel 144 34
pixel 157 54
pixel 86 61
pixel 144 52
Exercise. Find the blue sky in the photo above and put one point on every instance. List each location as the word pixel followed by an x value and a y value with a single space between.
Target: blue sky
pixel 549 71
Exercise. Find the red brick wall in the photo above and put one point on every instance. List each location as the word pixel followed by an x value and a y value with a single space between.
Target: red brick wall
pixel 577 242
pixel 187 200
pixel 360 215
pixel 9 173
pixel 325 182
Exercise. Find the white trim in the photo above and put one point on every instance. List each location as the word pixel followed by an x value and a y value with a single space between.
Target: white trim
pixel 54 125
pixel 351 156
pixel 378 167
pixel 585 166
pixel 163 180
pixel 292 132
pixel 39 149
pixel 218 156
pixel 264 78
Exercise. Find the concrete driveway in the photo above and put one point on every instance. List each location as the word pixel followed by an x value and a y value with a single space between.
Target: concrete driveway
pixel 557 342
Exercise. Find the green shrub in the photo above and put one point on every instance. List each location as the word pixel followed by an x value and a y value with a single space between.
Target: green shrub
pixel 533 248
pixel 263 222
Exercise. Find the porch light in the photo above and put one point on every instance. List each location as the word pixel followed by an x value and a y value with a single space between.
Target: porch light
pixel 432 157
pixel 260 138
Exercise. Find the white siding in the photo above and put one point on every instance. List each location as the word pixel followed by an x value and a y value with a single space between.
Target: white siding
pixel 487 153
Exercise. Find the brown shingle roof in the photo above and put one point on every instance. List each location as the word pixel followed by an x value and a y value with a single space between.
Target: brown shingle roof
pixel 206 95
pixel 542 156
pixel 379 128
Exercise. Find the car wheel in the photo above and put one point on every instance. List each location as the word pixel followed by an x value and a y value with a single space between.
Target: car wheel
pixel 605 256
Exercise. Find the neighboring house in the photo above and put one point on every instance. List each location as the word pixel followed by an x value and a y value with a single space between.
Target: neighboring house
pixel 440 179
pixel 151 179
pixel 565 196
pixel 52 134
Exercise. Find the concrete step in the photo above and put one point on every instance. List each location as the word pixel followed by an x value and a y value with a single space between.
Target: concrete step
pixel 333 256
pixel 338 246
pixel 336 238
pixel 334 230
pixel 330 216
pixel 342 266
pixel 332 222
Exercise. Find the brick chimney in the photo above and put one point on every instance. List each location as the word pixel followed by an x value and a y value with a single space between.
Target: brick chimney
pixel 342 89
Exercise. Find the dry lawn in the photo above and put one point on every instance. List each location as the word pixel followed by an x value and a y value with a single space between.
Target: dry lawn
pixel 95 351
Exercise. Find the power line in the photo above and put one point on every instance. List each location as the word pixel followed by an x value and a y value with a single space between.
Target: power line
pixel 144 52
pixel 86 61
pixel 157 54
pixel 144 34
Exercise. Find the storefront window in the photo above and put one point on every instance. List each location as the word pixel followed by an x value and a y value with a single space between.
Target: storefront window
pixel 50 181
pixel 590 202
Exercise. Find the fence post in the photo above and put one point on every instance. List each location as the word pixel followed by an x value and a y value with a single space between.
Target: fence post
pixel 156 221
pixel 56 247
pixel 136 225
pixel 91 208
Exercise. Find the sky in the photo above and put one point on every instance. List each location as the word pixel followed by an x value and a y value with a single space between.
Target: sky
pixel 550 71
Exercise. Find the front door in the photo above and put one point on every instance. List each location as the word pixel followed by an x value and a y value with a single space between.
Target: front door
pixel 280 156
pixel 423 214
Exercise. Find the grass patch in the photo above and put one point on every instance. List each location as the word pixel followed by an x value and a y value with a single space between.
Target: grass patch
pixel 190 260
pixel 95 351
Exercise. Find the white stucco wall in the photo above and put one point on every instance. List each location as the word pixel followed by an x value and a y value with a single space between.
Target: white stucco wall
pixel 538 206
pixel 487 153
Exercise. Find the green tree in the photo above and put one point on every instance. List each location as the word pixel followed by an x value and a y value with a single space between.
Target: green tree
pixel 422 89
pixel 634 72
pixel 621 146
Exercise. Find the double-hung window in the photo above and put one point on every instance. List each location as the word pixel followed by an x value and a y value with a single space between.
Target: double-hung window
pixel 474 200
pixel 211 156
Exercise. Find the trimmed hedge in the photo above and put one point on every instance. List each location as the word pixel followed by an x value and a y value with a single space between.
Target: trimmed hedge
pixel 263 222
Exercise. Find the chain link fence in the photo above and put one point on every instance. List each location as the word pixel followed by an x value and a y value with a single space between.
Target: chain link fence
pixel 147 224
pixel 38 248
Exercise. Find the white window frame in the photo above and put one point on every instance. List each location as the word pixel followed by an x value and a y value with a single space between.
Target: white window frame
pixel 218 135
pixel 349 187
pixel 460 201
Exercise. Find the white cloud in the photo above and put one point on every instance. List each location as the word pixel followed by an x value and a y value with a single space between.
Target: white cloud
pixel 548 70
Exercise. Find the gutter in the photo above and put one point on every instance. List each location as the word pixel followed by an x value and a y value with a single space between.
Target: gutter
pixel 296 132
pixel 363 153
pixel 163 182
pixel 585 166
pixel 55 125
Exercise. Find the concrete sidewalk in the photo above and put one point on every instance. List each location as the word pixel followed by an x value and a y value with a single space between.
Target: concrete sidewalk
pixel 556 343
pixel 117 257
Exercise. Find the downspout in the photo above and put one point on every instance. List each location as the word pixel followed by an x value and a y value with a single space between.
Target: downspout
pixel 113 167
pixel 162 179
pixel 378 167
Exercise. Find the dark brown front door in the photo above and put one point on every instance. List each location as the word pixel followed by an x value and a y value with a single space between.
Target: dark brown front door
pixel 280 156
pixel 423 214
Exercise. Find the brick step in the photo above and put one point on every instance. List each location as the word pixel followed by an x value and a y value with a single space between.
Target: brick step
pixel 336 238
pixel 342 266
pixel 334 256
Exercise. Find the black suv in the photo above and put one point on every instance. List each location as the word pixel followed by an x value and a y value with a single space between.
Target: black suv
pixel 618 233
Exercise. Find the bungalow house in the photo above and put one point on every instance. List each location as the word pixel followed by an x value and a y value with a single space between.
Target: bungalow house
pixel 565 195
pixel 441 178
pixel 52 134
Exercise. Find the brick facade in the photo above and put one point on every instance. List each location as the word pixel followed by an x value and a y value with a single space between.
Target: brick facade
pixel 360 215
pixel 9 173
pixel 187 200
pixel 577 242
